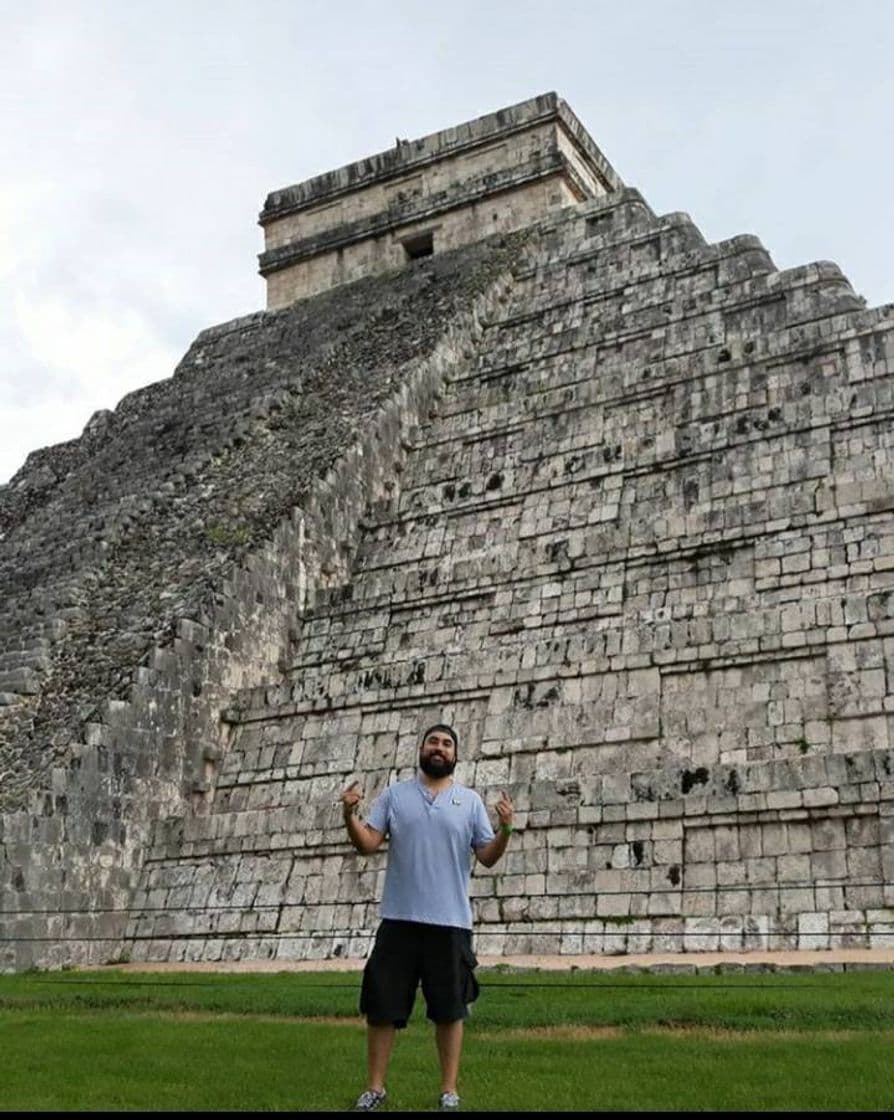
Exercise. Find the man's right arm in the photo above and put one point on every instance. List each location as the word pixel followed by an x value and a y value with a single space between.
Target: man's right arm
pixel 364 837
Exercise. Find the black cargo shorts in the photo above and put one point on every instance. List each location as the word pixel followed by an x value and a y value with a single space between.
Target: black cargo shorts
pixel 407 953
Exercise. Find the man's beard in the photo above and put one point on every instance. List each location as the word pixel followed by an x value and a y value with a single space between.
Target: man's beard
pixel 437 766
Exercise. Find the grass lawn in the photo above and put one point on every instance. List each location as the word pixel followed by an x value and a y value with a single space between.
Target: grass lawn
pixel 537 1041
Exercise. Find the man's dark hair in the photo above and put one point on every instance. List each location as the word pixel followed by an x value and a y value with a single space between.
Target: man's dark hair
pixel 448 729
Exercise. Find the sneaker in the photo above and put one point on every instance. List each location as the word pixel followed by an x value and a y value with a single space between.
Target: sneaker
pixel 369 1099
pixel 449 1102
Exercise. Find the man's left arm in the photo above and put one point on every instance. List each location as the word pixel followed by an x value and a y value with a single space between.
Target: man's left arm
pixel 488 854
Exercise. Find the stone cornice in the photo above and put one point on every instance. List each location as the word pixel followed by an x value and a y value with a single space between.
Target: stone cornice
pixel 414 155
pixel 416 210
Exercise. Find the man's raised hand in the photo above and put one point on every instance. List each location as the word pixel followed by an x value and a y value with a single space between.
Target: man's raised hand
pixel 351 798
pixel 504 809
pixel 364 838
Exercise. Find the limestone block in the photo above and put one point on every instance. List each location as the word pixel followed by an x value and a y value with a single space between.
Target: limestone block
pixel 726 843
pixel 825 795
pixel 668 851
pixel 828 865
pixel 612 905
pixel 784 799
pixel 699 846
pixel 756 932
pixel 828 834
pixel 798 837
pixel 700 875
pixel 668 936
pixel 794 868
pixel 641 811
pixel 866 897
pixel 864 863
pixel 734 901
pixel 731 872
pixel 701 934
pixel 762 871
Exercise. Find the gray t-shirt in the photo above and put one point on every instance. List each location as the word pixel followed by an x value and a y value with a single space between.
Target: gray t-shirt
pixel 429 851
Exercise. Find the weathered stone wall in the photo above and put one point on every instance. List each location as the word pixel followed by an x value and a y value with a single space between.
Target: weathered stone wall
pixel 166 558
pixel 436 176
pixel 643 558
pixel 350 253
pixel 499 173
pixel 616 503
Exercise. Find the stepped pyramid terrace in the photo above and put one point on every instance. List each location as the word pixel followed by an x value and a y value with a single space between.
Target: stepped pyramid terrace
pixel 507 449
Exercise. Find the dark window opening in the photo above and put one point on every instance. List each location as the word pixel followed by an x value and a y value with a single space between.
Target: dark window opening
pixel 598 223
pixel 420 245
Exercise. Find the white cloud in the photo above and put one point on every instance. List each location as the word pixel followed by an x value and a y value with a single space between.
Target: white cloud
pixel 67 351
pixel 92 352
pixel 87 359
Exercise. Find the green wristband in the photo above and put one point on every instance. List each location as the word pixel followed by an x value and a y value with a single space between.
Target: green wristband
pixel 506 829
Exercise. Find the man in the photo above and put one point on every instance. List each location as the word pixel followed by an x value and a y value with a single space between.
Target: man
pixel 433 825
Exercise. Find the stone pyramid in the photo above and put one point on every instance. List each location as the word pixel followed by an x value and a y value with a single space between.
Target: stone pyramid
pixel 616 503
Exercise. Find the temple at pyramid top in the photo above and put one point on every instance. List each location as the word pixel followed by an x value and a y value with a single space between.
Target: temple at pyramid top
pixel 494 174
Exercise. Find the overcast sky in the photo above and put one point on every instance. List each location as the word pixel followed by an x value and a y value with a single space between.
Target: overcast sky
pixel 138 141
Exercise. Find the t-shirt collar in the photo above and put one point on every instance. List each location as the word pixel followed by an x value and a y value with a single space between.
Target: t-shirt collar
pixel 430 795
